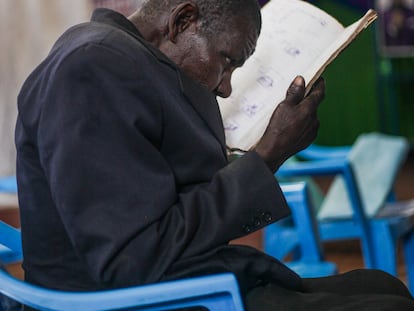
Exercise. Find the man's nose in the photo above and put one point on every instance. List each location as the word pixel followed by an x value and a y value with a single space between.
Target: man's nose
pixel 224 89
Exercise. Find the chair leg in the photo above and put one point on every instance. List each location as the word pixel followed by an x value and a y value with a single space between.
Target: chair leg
pixel 385 247
pixel 408 246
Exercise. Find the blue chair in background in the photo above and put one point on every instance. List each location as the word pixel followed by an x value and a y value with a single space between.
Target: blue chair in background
pixel 360 203
pixel 8 187
pixel 296 240
pixel 8 184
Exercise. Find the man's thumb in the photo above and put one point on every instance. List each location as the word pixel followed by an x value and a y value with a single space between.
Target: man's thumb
pixel 296 90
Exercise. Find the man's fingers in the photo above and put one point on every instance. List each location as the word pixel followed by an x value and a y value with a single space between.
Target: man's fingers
pixel 296 91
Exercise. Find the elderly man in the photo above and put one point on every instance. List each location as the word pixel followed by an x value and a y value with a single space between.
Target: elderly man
pixel 122 170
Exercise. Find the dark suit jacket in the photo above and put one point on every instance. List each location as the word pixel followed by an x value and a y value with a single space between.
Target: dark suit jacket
pixel 122 171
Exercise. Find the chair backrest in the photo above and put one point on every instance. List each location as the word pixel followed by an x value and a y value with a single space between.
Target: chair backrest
pixel 375 160
pixel 215 292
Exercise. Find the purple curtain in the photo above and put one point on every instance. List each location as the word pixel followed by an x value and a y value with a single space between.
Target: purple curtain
pixel 262 2
pixel 362 5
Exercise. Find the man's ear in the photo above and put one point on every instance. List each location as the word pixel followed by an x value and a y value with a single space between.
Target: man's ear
pixel 181 17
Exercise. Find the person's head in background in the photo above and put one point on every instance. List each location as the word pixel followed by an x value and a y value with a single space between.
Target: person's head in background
pixel 207 39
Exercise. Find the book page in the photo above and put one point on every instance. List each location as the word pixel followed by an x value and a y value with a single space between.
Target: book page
pixel 294 35
pixel 337 46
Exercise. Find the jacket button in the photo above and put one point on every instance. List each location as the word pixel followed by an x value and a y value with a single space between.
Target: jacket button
pixel 247 228
pixel 267 217
pixel 257 222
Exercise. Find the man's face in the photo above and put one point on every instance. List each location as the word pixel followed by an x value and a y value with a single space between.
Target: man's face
pixel 211 61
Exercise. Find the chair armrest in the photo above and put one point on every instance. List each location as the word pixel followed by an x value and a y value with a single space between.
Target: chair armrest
pixel 219 292
pixel 313 168
pixel 316 152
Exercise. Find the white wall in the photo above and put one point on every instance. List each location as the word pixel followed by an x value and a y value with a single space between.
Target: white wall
pixel 28 28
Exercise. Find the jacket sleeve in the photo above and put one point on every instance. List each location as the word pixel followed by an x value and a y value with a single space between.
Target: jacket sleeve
pixel 99 136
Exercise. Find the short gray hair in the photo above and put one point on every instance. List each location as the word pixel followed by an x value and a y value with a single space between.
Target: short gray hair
pixel 214 15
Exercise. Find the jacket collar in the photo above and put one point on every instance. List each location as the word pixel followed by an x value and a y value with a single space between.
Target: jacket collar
pixel 203 101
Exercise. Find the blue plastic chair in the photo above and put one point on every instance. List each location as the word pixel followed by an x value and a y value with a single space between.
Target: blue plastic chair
pixel 298 236
pixel 218 292
pixel 357 204
pixel 8 186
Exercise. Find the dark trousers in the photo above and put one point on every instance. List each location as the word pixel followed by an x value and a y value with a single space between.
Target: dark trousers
pixel 359 290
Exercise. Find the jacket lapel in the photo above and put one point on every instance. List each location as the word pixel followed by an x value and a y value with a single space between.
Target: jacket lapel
pixel 202 100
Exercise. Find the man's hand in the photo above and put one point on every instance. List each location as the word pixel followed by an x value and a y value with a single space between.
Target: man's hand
pixel 293 125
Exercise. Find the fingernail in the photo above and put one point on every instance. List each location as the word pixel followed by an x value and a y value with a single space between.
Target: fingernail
pixel 298 81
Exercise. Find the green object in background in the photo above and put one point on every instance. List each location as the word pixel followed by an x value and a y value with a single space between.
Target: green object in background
pixel 397 81
pixel 350 107
pixel 365 92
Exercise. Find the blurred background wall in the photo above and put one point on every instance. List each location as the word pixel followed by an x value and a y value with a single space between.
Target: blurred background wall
pixel 28 29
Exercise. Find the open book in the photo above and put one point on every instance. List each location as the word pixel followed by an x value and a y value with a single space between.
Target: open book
pixel 297 38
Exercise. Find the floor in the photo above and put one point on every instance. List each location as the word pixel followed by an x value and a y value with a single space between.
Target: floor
pixel 347 255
